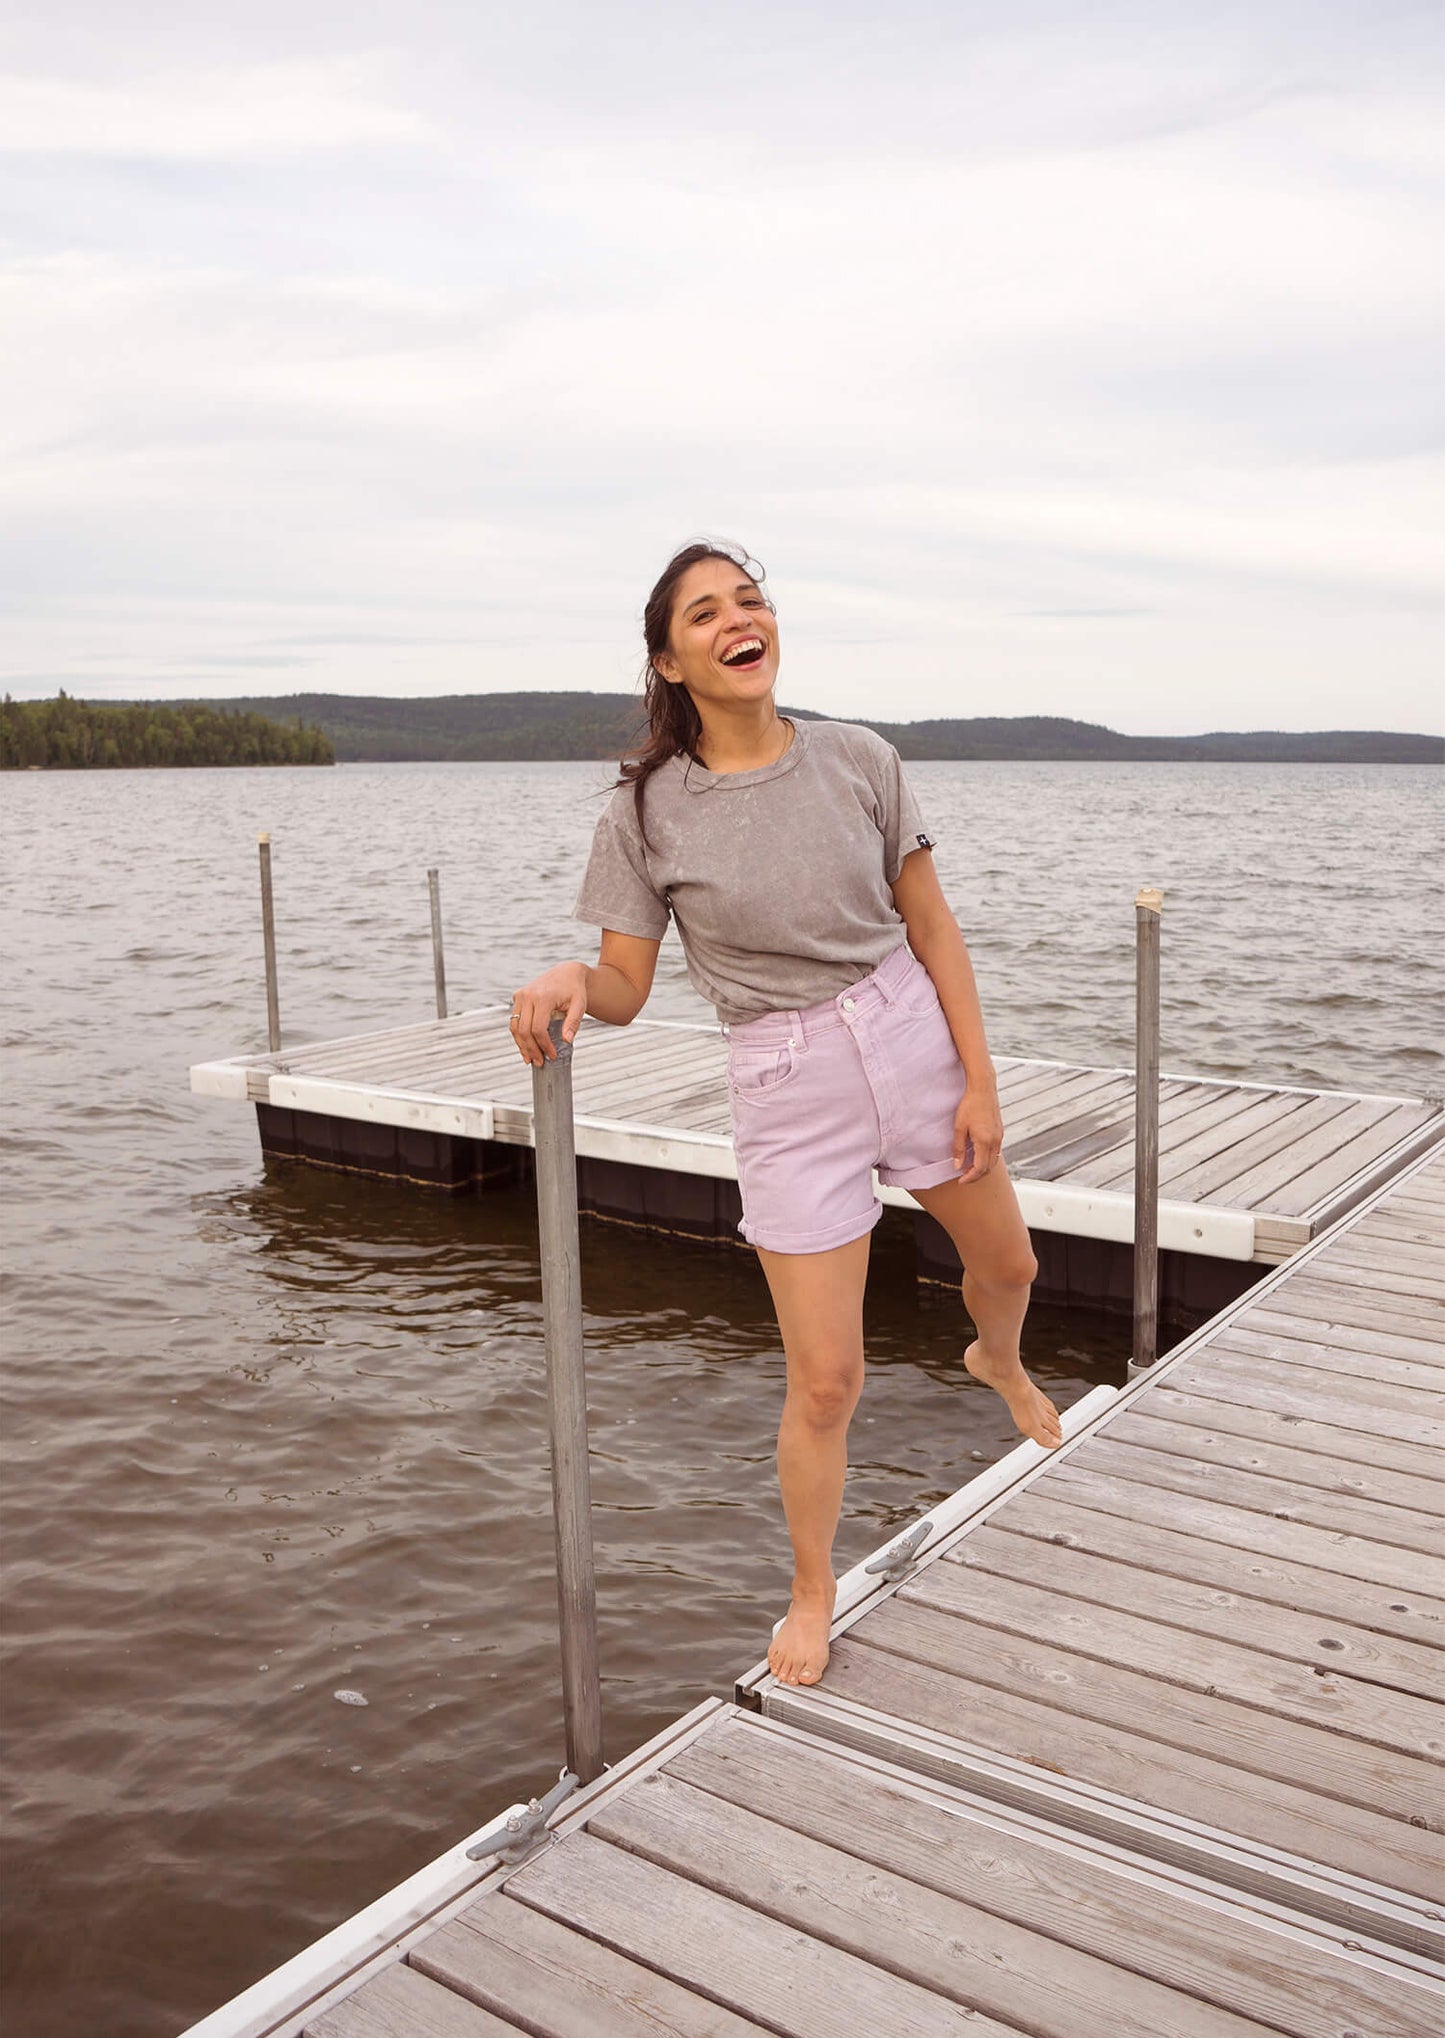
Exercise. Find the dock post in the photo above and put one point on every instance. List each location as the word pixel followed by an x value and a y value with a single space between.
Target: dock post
pixel 556 1156
pixel 1148 905
pixel 433 885
pixel 268 929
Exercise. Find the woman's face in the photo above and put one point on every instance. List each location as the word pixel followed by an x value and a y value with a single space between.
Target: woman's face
pixel 723 643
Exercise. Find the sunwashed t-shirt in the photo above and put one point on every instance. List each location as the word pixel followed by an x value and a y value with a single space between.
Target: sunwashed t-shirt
pixel 778 879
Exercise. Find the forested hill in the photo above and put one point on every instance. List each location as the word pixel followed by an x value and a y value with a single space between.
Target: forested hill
pixel 606 725
pixel 70 735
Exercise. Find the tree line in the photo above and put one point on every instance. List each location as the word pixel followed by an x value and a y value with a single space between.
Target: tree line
pixel 71 735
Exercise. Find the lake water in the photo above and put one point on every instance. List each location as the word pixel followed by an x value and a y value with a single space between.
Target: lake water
pixel 273 1434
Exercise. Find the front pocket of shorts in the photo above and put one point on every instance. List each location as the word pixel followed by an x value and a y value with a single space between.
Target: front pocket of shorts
pixel 757 1076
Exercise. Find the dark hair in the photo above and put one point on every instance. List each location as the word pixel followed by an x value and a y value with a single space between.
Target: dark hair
pixel 674 724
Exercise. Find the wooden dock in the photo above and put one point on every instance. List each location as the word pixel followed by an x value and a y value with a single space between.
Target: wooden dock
pixel 1144 1742
pixel 1248 1172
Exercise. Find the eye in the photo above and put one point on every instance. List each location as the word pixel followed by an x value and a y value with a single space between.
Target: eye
pixel 703 616
pixel 754 601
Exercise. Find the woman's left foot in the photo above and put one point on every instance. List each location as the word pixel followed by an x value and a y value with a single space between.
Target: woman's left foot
pixel 799 1651
pixel 1029 1406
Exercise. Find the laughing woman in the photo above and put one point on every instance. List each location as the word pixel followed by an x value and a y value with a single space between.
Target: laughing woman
pixel 795 863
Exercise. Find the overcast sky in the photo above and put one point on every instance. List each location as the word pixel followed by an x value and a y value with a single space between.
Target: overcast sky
pixel 1054 359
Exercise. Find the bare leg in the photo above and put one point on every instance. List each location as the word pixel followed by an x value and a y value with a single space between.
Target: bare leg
pixel 986 1225
pixel 819 1300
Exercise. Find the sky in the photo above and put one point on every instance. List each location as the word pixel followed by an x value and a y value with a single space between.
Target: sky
pixel 1052 359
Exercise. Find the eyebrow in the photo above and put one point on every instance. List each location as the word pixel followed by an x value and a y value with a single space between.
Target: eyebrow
pixel 712 597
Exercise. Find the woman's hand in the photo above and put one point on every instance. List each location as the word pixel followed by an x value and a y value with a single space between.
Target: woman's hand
pixel 560 990
pixel 978 1122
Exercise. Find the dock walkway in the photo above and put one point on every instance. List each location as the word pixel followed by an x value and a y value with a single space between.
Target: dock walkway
pixel 1146 1740
pixel 1247 1171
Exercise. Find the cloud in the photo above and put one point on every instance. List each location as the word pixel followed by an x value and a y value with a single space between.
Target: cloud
pixel 1033 354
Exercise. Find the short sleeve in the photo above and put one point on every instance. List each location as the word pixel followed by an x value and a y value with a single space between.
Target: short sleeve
pixel 900 821
pixel 617 892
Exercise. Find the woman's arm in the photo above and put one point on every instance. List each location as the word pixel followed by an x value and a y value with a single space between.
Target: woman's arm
pixel 615 988
pixel 935 938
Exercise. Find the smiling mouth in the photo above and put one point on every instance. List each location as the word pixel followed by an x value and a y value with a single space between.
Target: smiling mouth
pixel 743 656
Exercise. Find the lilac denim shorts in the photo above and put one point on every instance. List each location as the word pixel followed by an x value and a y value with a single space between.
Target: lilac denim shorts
pixel 870 1078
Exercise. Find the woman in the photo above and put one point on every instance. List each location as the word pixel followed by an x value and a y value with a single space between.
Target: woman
pixel 794 860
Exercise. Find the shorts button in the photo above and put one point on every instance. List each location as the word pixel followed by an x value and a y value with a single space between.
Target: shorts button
pixel 849 1004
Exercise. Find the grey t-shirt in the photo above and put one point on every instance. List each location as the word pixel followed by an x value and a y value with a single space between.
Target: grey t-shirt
pixel 778 878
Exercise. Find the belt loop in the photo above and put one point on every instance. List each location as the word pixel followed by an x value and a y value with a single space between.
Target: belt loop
pixel 795 1027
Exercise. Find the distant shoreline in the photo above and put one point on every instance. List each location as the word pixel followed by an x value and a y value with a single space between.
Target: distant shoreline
pixel 604 727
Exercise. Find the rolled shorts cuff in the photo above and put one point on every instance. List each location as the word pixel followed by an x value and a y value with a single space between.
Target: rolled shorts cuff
pixel 932 1177
pixel 842 1233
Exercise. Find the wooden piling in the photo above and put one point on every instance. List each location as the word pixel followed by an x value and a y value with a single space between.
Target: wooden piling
pixel 268 929
pixel 433 882
pixel 1147 908
pixel 556 1159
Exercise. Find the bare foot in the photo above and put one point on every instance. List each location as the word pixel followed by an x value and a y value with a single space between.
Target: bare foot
pixel 799 1651
pixel 1029 1406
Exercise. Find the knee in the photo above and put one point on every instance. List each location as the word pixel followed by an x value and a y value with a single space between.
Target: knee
pixel 824 1397
pixel 1016 1268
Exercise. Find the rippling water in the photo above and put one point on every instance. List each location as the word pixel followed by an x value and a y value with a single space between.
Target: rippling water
pixel 271 1434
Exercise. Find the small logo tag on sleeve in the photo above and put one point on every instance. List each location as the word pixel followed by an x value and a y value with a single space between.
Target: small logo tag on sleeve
pixel 926 842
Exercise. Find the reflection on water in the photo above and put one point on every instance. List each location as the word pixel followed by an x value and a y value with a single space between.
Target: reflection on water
pixel 271 1435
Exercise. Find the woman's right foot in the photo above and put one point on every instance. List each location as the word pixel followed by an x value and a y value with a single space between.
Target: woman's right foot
pixel 799 1650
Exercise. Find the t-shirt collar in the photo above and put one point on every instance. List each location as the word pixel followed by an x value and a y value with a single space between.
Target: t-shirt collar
pixel 696 778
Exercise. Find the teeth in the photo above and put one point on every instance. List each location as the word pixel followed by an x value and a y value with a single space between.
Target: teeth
pixel 751 647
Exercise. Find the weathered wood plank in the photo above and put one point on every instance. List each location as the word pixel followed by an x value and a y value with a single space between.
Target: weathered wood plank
pixel 1242 1528
pixel 1141 1706
pixel 1168 1403
pixel 1370 1612
pixel 1332 1707
pixel 797 1986
pixel 1373 1527
pixel 1372 1248
pixel 1064 1893
pixel 1226 1379
pixel 1212 1178
pixel 1325 1158
pixel 1184 1113
pixel 1423 1375
pixel 1304 1191
pixel 1382 1486
pixel 1030 1727
pixel 400 2003
pixel 904 1927
pixel 1274 1320
pixel 1270 1113
pixel 1401 1284
pixel 1120 1582
pixel 518 1962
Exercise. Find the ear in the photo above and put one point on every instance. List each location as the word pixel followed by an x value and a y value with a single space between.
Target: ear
pixel 665 666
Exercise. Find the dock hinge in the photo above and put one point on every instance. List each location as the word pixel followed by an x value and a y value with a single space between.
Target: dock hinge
pixel 518 1834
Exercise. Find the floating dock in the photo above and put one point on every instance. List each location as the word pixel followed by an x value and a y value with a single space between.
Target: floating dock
pixel 1142 1737
pixel 1248 1172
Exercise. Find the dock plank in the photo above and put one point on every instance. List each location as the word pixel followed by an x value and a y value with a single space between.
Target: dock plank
pixel 1372 1612
pixel 401 2003
pixel 1181 1778
pixel 1386 1537
pixel 1313 1322
pixel 1383 1485
pixel 904 1926
pixel 559 1984
pixel 1423 1375
pixel 1009 1602
pixel 799 1987
pixel 1241 1528
pixel 1301 1394
pixel 1324 1643
pixel 1087 1898
pixel 1399 1787
pixel 1356 1447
